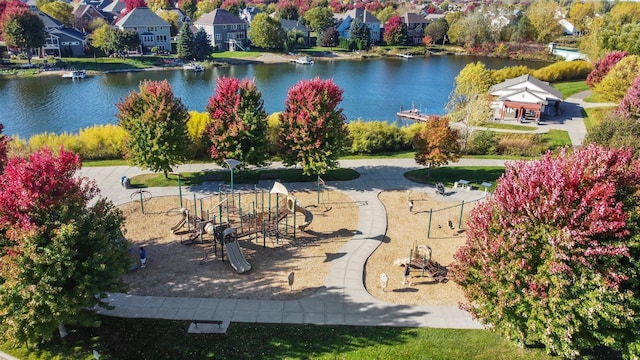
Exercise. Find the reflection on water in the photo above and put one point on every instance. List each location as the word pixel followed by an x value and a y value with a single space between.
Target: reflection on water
pixel 373 90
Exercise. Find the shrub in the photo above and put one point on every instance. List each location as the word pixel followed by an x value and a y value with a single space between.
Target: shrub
pixel 409 133
pixel 602 67
pixel 54 142
pixel 483 143
pixel 616 83
pixel 564 71
pixel 519 145
pixel 369 137
pixel 273 131
pixel 101 142
pixel 509 72
pixel 196 126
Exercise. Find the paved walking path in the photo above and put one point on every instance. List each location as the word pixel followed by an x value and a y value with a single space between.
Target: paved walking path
pixel 343 300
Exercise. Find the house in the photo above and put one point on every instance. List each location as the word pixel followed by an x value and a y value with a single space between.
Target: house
pixel 524 96
pixel 415 27
pixel 60 41
pixel 225 30
pixel 293 25
pixel 363 15
pixel 151 28
pixel 111 9
pixel 84 14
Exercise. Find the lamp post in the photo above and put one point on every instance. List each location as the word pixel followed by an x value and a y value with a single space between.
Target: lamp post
pixel 232 163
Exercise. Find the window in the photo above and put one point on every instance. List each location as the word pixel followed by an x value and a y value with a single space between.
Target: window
pixel 218 37
pixel 152 29
pixel 161 38
pixel 147 39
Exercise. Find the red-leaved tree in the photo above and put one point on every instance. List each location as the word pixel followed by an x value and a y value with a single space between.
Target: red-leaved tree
pixel 4 143
pixel 8 8
pixel 629 107
pixel 313 130
pixel 238 127
pixel 395 31
pixel 602 66
pixel 132 4
pixel 437 144
pixel 58 256
pixel 552 256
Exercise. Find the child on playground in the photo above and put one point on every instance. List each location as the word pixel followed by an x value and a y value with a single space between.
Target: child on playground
pixel 143 257
pixel 407 273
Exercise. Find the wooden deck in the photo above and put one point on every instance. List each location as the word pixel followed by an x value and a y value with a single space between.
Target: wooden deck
pixel 413 114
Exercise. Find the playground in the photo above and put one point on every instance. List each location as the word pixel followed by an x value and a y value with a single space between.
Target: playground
pixel 181 264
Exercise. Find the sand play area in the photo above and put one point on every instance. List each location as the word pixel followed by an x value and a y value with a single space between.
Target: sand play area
pixel 178 269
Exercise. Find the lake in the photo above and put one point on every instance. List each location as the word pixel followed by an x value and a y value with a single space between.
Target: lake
pixel 373 90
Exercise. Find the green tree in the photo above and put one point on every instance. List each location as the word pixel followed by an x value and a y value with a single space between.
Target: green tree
pixel 313 131
pixel 473 80
pixel 172 18
pixel 615 84
pixel 556 262
pixel 103 38
pixel 202 48
pixel 385 14
pixel 60 256
pixel 395 31
pixel 60 11
pixel 437 30
pixel 437 144
pixel 319 18
pixel 266 32
pixel 206 6
pixel 542 16
pixel 185 43
pixel 238 126
pixel 360 32
pixel 23 30
pixel 188 7
pixel 581 15
pixel 156 126
pixel 615 131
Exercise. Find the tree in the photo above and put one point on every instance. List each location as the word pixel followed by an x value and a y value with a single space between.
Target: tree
pixel 185 44
pixel 541 15
pixel 581 15
pixel 202 48
pixel 360 32
pixel 132 4
pixel 103 38
pixel 266 32
pixel 7 8
pixel 60 11
pixel 156 5
pixel 238 126
pixel 23 29
pixel 173 19
pixel 4 148
pixel 385 14
pixel 330 38
pixel 616 83
pixel 556 261
pixel 313 131
pixel 59 256
pixel 156 126
pixel 188 7
pixel 287 10
pixel 395 31
pixel 629 107
pixel 233 6
pixel 473 80
pixel 523 30
pixel 615 131
pixel 437 144
pixel 319 18
pixel 602 67
pixel 437 30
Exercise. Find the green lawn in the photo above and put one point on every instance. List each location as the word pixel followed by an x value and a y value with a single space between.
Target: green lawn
pixel 569 88
pixel 476 175
pixel 120 338
pixel 593 116
pixel 502 126
pixel 241 177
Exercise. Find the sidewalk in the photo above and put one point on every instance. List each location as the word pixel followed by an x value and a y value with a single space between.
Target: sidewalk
pixel 343 300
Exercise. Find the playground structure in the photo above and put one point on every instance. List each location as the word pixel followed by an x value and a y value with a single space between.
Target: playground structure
pixel 226 221
pixel 420 259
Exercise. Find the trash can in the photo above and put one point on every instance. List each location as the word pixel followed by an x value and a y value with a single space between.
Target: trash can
pixel 125 182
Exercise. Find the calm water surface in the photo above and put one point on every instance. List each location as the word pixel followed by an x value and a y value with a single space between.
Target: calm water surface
pixel 373 90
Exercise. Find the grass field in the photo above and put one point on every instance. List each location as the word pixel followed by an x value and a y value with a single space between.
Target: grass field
pixel 118 338
pixel 569 88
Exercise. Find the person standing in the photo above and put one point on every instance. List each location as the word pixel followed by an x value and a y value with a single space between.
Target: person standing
pixel 143 257
pixel 407 274
pixel 410 205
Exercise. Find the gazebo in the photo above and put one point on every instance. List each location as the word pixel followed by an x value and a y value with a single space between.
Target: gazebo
pixel 524 96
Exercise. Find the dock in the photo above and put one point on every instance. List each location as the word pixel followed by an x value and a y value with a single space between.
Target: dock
pixel 413 114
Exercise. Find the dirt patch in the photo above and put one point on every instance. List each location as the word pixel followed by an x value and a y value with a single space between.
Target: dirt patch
pixel 175 269
pixel 409 230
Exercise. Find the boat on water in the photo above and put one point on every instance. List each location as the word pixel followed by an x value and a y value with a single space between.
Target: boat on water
pixel 405 56
pixel 193 66
pixel 75 74
pixel 304 60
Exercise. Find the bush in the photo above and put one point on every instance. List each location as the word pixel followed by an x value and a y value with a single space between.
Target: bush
pixel 483 143
pixel 101 142
pixel 196 126
pixel 409 132
pixel 564 71
pixel 369 137
pixel 509 72
pixel 54 142
pixel 520 145
pixel 273 132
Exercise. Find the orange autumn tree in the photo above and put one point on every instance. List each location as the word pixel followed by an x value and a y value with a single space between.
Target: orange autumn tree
pixel 437 144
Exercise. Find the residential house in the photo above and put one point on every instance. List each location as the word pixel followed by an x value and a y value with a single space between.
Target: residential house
pixel 112 9
pixel 84 14
pixel 363 15
pixel 225 30
pixel 415 27
pixel 433 17
pixel 60 41
pixel 294 25
pixel 151 28
pixel 524 96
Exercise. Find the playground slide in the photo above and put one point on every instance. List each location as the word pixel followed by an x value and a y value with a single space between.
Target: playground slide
pixel 179 225
pixel 308 217
pixel 236 258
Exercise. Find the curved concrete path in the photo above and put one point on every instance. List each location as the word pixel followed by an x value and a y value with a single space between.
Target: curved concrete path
pixel 343 300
